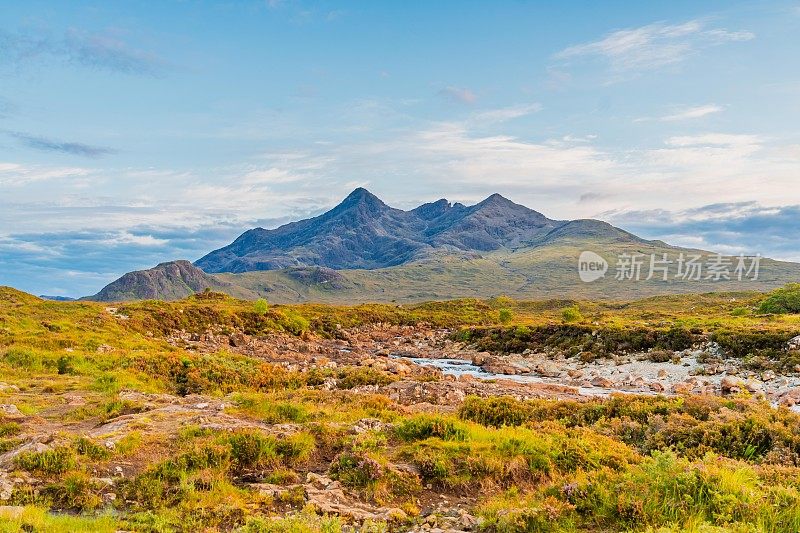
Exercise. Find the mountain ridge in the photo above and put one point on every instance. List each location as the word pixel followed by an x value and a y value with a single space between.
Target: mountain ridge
pixel 364 232
pixel 365 250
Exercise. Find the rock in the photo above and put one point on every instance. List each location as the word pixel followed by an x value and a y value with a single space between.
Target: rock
pixel 480 359
pixel 105 348
pixel 602 382
pixel 547 369
pixel 575 373
pixel 754 386
pixel 790 397
pixel 108 497
pixel 6 489
pixel 767 375
pixel 682 388
pixel 11 410
pixel 237 340
pixel 731 385
pixel 467 521
pixel 663 374
pixel 368 424
pixel 655 386
pixel 794 343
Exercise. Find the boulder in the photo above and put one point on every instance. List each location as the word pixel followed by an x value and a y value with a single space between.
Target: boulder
pixel 732 385
pixel 794 343
pixel 547 369
pixel 602 382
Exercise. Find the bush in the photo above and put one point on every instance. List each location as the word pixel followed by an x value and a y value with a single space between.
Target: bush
pixel 295 323
pixel 49 462
pixel 350 378
pixel 782 301
pixel 252 450
pixel 430 426
pixel 496 412
pixel 355 471
pixel 91 450
pixel 76 491
pixel 261 307
pixel 505 315
pixel 571 314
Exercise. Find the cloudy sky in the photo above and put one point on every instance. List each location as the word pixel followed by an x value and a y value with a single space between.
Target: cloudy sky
pixel 138 132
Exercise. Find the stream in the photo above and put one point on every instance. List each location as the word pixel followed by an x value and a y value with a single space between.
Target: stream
pixel 460 367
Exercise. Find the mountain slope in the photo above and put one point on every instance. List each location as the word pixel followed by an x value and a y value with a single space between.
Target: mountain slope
pixel 166 281
pixel 361 232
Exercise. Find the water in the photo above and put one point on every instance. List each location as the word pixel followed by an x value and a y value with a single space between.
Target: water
pixel 460 367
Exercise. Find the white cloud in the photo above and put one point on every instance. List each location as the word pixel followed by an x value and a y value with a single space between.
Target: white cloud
pixel 504 114
pixel 14 174
pixel 693 112
pixel 653 46
pixel 715 139
pixel 123 238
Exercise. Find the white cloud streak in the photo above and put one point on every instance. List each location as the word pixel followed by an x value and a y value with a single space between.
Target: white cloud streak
pixel 654 45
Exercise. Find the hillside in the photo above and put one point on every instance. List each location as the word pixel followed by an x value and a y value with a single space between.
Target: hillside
pixel 166 281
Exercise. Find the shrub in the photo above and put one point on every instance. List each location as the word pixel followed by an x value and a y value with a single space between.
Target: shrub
pixel 252 450
pixel 91 450
pixel 505 315
pixel 295 323
pixel 49 462
pixel 261 307
pixel 359 376
pixel 782 301
pixel 571 314
pixel 496 412
pixel 660 356
pixel 355 471
pixel 76 491
pixel 430 426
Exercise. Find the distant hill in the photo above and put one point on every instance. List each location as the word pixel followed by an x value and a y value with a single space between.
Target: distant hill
pixel 56 298
pixel 166 281
pixel 364 250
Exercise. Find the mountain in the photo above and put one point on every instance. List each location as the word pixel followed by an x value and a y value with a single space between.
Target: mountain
pixel 56 298
pixel 362 232
pixel 365 250
pixel 166 281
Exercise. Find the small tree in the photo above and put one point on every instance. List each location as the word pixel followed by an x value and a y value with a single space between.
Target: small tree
pixel 506 315
pixel 261 306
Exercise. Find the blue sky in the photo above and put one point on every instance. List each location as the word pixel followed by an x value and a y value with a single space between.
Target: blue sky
pixel 138 132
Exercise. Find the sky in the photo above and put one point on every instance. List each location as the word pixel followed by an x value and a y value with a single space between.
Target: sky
pixel 136 132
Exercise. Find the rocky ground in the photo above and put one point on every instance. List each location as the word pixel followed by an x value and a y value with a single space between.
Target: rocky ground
pixel 417 353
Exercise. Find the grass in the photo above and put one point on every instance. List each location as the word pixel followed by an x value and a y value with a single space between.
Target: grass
pixel 649 464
